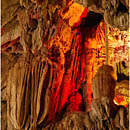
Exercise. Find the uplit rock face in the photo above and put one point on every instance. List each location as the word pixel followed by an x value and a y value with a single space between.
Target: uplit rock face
pixel 119 59
pixel 44 76
pixel 95 54
pixel 115 13
pixel 122 93
pixel 49 59
pixel 104 114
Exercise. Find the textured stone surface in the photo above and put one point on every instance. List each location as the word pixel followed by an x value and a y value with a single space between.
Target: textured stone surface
pixel 115 13
pixel 48 63
pixel 82 120
pixel 104 114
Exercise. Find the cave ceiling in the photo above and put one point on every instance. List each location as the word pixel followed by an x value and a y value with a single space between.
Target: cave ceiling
pixel 115 12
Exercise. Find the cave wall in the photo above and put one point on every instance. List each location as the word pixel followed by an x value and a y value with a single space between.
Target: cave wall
pixel 66 52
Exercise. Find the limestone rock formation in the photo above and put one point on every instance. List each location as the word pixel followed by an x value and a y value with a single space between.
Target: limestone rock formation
pixel 44 73
pixel 104 114
pixel 115 12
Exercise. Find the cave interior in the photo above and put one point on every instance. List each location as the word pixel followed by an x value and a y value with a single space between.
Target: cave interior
pixel 65 65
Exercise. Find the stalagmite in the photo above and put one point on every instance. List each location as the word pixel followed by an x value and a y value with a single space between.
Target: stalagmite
pixel 53 72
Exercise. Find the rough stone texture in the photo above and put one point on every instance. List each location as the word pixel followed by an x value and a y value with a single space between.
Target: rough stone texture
pixel 43 76
pixel 103 83
pixel 81 121
pixel 104 114
pixel 4 115
pixel 11 31
pixel 31 32
pixel 29 91
pixel 10 25
pixel 115 13
pixel 112 11
pixel 9 10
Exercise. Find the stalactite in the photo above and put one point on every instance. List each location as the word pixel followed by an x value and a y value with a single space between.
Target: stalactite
pixel 50 62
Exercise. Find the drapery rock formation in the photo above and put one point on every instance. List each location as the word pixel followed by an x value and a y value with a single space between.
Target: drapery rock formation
pixel 32 89
pixel 104 114
pixel 44 66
